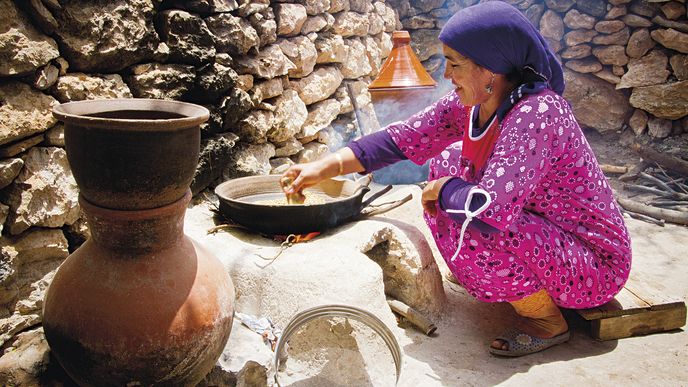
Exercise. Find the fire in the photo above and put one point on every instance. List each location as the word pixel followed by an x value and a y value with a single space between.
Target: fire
pixel 297 238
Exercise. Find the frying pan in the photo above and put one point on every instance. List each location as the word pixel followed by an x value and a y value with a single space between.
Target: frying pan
pixel 342 201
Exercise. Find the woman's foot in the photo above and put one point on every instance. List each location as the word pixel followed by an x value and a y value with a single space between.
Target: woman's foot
pixel 539 317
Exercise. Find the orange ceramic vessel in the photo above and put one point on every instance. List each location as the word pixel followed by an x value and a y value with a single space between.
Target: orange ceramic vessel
pixel 139 303
pixel 403 87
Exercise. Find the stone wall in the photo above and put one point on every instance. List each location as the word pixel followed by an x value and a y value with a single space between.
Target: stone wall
pixel 625 61
pixel 276 77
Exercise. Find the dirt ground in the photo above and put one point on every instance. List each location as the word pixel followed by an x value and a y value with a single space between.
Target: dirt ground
pixel 457 354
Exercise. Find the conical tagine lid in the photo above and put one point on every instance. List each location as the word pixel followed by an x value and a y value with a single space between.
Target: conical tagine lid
pixel 402 69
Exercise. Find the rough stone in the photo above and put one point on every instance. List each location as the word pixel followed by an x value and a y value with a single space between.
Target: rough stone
pixel 23 48
pixel 534 13
pixel 212 82
pixel 559 5
pixel 29 263
pixel 269 63
pixel 384 43
pixel 55 136
pixel 9 169
pixel 551 25
pixel 235 105
pixel 187 36
pixel 281 164
pixel 616 12
pixel 315 7
pixel 44 193
pixel 23 111
pixel 638 122
pixel 592 7
pixel 575 20
pixel 233 35
pixel 679 63
pixel 618 70
pixel 596 104
pixel 290 18
pixel 290 114
pixel 636 21
pixel 311 151
pixel 608 76
pixel 330 49
pixel 619 37
pixel 320 115
pixel 302 53
pixel 349 24
pixel 673 10
pixel 373 54
pixel 265 25
pixel 25 360
pixel 206 6
pixel 669 101
pixel 643 8
pixel 254 127
pixel 577 52
pixel 215 154
pixel 425 43
pixel 244 82
pixel 611 55
pixel 609 26
pixel 161 81
pixel 639 43
pixel 576 37
pixel 266 89
pixel 587 65
pixel 249 160
pixel 106 36
pixel 248 8
pixel 319 85
pixel 389 17
pixel 672 39
pixel 646 71
pixel 658 127
pixel 418 22
pixel 357 63
pixel 362 6
pixel 80 86
pixel 338 6
pixel 315 23
pixel 21 146
pixel 288 148
pixel 677 25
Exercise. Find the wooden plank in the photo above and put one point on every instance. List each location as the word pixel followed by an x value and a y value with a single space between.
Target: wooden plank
pixel 651 321
pixel 652 293
pixel 624 303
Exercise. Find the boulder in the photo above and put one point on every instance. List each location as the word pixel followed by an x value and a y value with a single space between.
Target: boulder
pixel 249 160
pixel 80 86
pixel 290 18
pixel 320 115
pixel 44 193
pixel 669 101
pixel 187 36
pixel 215 154
pixel 639 43
pixel 161 81
pixel 330 49
pixel 269 63
pixel 319 85
pixel 596 104
pixel 349 24
pixel 672 39
pixel 576 20
pixel 23 111
pixel 23 48
pixel 357 63
pixel 255 126
pixel 9 169
pixel 679 63
pixel 290 115
pixel 302 53
pixel 646 71
pixel 233 35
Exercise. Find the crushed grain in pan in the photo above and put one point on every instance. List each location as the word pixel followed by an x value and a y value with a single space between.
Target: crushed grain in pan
pixel 310 200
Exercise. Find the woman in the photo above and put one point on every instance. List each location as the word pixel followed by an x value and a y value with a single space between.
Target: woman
pixel 519 209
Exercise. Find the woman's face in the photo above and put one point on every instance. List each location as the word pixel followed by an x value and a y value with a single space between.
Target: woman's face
pixel 468 78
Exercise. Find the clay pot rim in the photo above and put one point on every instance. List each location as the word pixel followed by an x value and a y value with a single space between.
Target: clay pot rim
pixel 133 215
pixel 75 113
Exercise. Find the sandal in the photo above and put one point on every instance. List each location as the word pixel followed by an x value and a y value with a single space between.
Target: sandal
pixel 524 344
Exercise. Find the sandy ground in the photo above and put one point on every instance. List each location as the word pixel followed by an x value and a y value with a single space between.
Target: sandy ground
pixel 457 354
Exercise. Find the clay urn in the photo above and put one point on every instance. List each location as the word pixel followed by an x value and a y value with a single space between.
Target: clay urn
pixel 139 303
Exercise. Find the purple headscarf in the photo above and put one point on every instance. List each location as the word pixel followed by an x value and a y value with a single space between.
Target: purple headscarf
pixel 497 36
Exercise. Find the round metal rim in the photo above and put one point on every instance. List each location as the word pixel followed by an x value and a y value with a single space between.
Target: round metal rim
pixel 336 310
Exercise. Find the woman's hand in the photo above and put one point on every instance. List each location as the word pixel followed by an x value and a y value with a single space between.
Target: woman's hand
pixel 431 194
pixel 304 175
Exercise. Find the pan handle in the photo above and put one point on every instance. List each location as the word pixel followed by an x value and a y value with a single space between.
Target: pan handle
pixel 375 196
pixel 384 207
pixel 365 180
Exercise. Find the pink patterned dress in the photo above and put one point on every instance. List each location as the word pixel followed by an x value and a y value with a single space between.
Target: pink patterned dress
pixel 559 226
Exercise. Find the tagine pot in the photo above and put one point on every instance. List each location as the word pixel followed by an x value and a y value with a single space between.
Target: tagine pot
pixel 139 303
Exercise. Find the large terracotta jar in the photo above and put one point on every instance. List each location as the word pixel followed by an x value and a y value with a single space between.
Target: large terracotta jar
pixel 139 303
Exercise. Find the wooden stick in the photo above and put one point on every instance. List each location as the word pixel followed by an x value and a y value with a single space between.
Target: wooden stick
pixel 420 321
pixel 645 218
pixel 658 192
pixel 606 168
pixel 670 180
pixel 667 161
pixel 667 203
pixel 672 216
pixel 633 173
pixel 656 181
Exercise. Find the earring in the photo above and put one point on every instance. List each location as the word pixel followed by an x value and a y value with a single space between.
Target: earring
pixel 488 88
